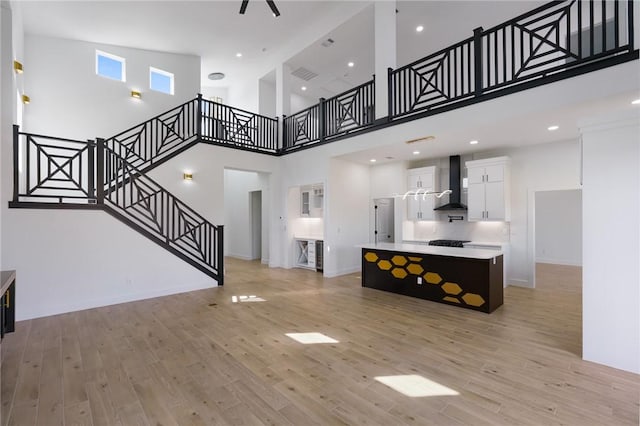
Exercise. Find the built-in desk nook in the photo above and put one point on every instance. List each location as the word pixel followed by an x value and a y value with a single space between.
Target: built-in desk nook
pixel 465 277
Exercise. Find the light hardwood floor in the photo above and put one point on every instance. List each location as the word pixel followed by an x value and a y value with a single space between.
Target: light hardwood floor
pixel 199 359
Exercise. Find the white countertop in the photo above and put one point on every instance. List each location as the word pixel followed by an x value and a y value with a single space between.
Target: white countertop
pixel 308 238
pixel 469 253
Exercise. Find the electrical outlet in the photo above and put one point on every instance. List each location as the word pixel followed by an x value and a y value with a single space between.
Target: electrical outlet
pixel 419 280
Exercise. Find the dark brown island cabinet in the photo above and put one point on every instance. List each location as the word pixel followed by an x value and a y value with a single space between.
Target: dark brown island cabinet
pixel 465 277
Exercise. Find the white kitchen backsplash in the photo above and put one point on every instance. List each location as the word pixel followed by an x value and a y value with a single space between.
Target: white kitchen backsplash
pixel 312 227
pixel 456 230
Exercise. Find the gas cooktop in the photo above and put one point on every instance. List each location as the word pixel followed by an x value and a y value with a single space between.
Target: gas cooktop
pixel 448 243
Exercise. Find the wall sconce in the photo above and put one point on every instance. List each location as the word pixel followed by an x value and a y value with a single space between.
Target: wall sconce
pixel 136 94
pixel 17 67
pixel 26 99
pixel 187 176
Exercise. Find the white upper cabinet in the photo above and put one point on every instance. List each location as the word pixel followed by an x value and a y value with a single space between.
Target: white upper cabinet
pixel 488 194
pixel 420 207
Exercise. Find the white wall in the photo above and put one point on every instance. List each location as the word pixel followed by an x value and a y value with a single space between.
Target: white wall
pixel 266 98
pixel 611 237
pixel 70 260
pixel 558 227
pixel 69 100
pixel 346 221
pixel 299 103
pixel 238 185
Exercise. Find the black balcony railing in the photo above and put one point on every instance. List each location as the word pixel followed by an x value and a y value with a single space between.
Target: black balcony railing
pixel 237 128
pixel 337 116
pixel 557 40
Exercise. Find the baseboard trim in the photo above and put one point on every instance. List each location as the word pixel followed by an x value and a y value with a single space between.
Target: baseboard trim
pixel 520 283
pixel 343 271
pixel 559 262
pixel 100 303
pixel 238 256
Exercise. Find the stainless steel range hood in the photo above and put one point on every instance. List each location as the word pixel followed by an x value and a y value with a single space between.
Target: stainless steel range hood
pixel 454 185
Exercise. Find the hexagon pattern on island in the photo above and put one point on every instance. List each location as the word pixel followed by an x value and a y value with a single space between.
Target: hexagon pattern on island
pixel 401 267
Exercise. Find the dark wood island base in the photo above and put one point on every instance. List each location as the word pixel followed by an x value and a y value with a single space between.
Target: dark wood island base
pixel 471 279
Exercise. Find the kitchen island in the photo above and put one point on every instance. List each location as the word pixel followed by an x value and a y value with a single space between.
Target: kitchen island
pixel 466 277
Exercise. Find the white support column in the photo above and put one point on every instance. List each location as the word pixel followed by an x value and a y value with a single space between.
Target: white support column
pixel 385 51
pixel 283 90
pixel 611 242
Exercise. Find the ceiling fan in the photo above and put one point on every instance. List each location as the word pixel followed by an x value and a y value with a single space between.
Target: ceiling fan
pixel 271 3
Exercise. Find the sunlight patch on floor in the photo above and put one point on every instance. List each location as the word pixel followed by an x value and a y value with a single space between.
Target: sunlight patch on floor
pixel 311 338
pixel 241 299
pixel 414 386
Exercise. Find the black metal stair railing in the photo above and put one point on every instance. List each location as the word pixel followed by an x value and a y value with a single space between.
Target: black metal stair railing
pixel 53 170
pixel 143 204
pixel 233 127
pixel 159 139
pixel 558 40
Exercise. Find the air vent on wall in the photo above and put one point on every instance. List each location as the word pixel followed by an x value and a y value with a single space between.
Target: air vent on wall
pixel 304 74
pixel 328 42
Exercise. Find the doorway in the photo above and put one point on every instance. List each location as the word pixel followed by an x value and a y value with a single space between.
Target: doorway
pixel 384 220
pixel 255 210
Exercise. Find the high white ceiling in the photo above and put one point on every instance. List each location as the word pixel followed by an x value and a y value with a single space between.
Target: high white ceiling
pixel 215 31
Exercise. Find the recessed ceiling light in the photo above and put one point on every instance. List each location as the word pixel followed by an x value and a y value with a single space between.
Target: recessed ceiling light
pixel 238 55
pixel 419 28
pixel 416 152
pixel 373 160
pixel 552 128
pixel 303 88
pixel 636 102
pixel 216 76
pixel 473 142
pixel 351 64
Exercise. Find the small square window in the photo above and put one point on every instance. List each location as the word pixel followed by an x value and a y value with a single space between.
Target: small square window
pixel 161 81
pixel 110 66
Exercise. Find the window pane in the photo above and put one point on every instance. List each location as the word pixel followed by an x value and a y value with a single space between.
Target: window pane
pixel 110 67
pixel 161 81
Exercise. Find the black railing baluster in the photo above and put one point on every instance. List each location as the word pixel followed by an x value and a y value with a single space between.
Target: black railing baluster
pixel 579 30
pixel 604 25
pixel 322 124
pixel 220 253
pixel 630 30
pixel 91 174
pixel 100 170
pixel 477 54
pixel 591 28
pixel 16 162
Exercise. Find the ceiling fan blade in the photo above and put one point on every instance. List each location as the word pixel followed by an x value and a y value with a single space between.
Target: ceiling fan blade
pixel 273 7
pixel 243 7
